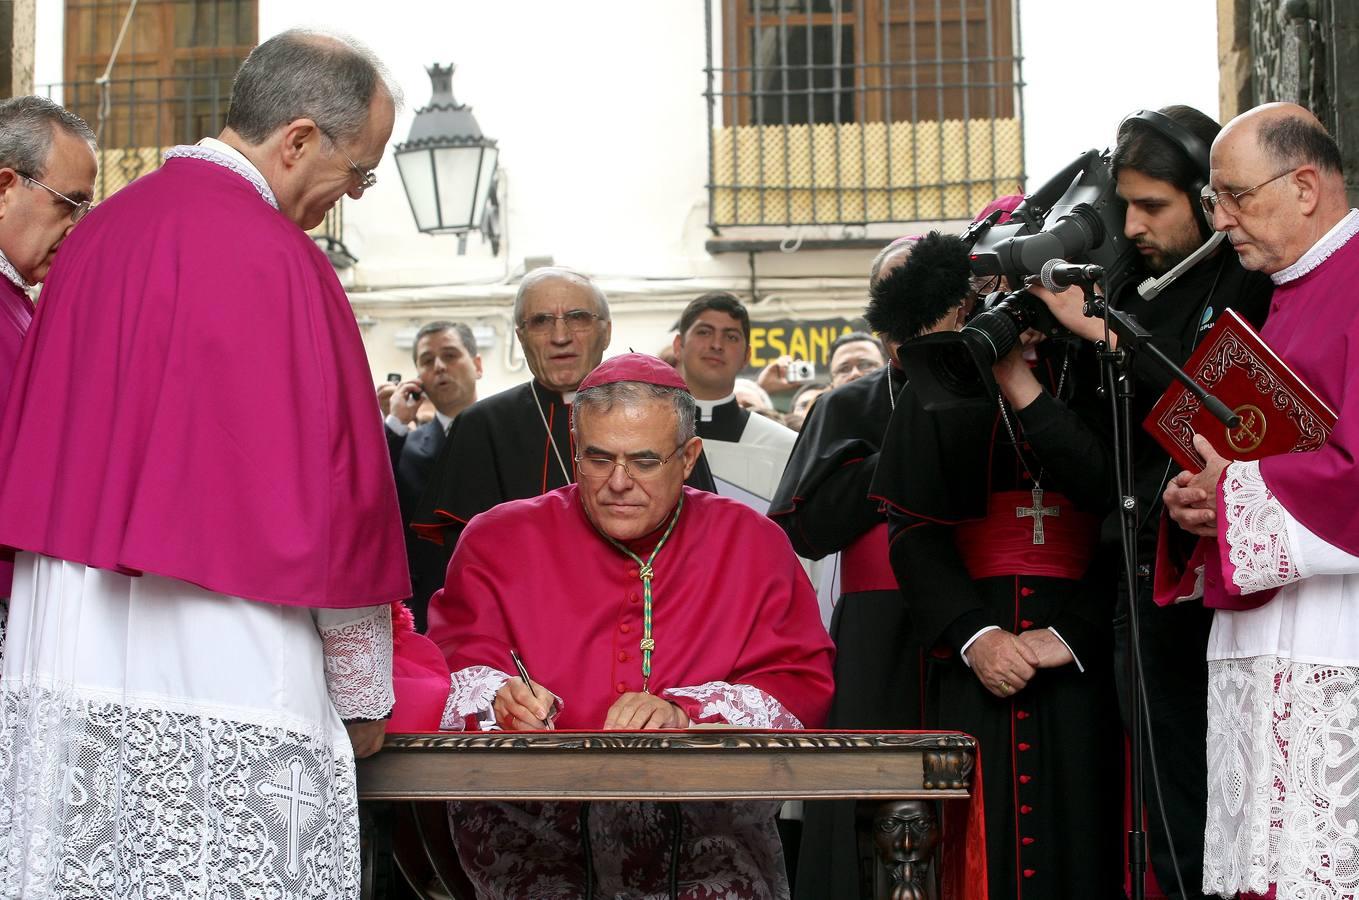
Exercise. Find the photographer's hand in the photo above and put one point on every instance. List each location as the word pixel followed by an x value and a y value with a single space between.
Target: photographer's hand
pixel 384 397
pixel 1068 308
pixel 774 377
pixel 1015 377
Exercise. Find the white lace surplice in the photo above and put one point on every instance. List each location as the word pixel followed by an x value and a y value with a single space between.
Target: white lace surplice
pixel 159 741
pixel 1283 709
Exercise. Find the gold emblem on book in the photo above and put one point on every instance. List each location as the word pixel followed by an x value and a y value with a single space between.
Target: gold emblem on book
pixel 1251 432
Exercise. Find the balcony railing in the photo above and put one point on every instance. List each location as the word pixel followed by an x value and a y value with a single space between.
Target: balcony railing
pixel 861 111
pixel 138 119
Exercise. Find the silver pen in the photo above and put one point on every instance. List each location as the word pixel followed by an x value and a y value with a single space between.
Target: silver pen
pixel 524 675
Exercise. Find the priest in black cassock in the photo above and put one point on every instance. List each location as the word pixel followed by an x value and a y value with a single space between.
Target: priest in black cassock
pixel 517 443
pixel 746 451
pixel 993 519
pixel 822 503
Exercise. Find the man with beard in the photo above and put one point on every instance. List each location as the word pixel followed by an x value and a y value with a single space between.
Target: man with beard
pixel 1160 180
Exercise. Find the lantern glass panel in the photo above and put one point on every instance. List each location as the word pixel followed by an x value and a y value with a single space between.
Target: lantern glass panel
pixel 417 174
pixel 456 171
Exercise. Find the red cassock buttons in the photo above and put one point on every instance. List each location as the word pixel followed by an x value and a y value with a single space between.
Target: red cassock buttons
pixel 1025 779
pixel 1022 714
pixel 622 656
pixel 1025 592
pixel 1026 841
pixel 634 598
pixel 621 687
pixel 633 573
pixel 625 628
pixel 1029 873
pixel 1025 810
pixel 1025 623
pixel 1023 746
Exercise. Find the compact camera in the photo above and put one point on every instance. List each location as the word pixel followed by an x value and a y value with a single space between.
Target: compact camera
pixel 800 370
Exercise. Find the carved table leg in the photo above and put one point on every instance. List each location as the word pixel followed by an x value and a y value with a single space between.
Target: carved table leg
pixel 902 835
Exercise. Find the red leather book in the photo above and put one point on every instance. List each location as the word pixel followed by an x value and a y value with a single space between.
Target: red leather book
pixel 1279 413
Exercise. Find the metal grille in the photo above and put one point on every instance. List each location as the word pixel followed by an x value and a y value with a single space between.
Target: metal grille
pixel 170 83
pixel 860 111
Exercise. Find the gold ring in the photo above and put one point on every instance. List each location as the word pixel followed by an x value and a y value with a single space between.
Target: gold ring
pixel 1005 687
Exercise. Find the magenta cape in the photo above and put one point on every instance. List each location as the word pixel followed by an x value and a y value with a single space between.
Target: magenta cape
pixel 1313 328
pixel 16 313
pixel 731 604
pixel 1312 325
pixel 419 677
pixel 197 353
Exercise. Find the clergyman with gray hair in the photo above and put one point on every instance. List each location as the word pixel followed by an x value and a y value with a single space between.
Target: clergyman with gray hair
pixel 200 631
pixel 518 443
pixel 47 171
pixel 569 580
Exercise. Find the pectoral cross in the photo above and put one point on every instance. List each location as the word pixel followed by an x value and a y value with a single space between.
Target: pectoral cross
pixel 1037 512
pixel 296 802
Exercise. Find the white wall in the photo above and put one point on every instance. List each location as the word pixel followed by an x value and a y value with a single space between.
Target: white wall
pixel 602 125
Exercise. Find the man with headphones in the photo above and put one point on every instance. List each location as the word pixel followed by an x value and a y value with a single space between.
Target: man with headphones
pixel 1161 163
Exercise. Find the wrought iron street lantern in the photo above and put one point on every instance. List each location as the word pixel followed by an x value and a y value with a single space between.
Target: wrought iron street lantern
pixel 448 167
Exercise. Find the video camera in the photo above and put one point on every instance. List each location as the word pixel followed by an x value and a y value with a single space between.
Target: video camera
pixel 1076 215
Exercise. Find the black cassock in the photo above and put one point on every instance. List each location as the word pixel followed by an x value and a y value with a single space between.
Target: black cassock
pixel 499 449
pixel 964 553
pixel 823 505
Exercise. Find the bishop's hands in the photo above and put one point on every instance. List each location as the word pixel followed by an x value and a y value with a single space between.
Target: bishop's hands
pixel 1002 662
pixel 1051 651
pixel 636 711
pixel 517 709
pixel 1191 499
pixel 1005 663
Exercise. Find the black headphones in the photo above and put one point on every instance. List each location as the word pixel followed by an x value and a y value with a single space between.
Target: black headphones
pixel 1195 150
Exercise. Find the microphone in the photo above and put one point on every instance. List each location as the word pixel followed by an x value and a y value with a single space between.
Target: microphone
pixel 1058 275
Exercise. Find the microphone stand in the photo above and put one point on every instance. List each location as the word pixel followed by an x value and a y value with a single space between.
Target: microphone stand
pixel 1116 365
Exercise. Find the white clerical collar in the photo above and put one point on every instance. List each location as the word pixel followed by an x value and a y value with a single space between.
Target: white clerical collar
pixel 7 269
pixel 706 407
pixel 228 157
pixel 1331 241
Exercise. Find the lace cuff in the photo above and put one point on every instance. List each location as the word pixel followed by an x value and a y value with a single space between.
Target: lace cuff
pixel 472 692
pixel 734 704
pixel 358 649
pixel 1256 550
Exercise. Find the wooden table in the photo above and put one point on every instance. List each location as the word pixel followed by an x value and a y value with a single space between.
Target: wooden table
pixel 878 769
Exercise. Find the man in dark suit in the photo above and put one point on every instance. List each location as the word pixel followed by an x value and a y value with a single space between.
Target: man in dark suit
pixel 447 369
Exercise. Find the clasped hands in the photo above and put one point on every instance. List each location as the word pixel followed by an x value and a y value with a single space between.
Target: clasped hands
pixel 1005 662
pixel 517 709
pixel 1191 499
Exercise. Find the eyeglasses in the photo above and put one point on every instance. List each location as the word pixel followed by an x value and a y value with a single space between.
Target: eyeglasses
pixel 1230 202
pixel 865 366
pixel 78 207
pixel 577 320
pixel 636 469
pixel 367 177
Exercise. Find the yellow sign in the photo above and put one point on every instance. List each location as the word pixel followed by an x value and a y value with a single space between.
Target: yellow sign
pixel 800 340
